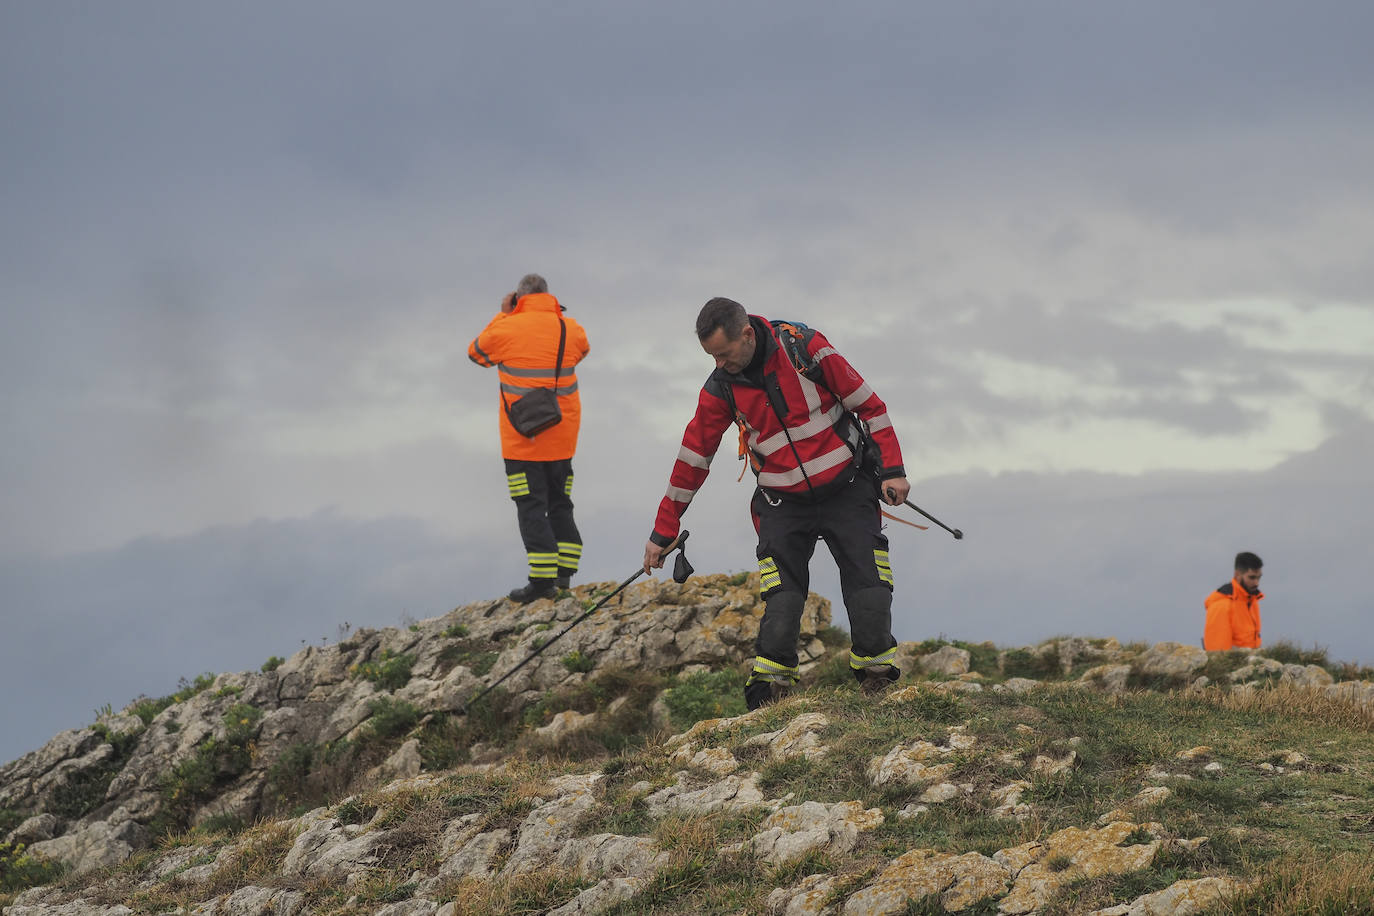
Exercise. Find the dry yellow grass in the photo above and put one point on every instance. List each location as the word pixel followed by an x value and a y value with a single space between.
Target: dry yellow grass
pixel 1311 703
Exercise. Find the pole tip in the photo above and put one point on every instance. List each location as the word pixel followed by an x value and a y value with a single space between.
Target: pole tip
pixel 958 535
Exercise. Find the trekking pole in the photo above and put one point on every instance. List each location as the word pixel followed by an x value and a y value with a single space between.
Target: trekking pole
pixel 675 545
pixel 958 535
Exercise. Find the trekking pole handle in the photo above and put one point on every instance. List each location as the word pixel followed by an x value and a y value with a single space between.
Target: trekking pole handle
pixel 676 542
pixel 958 535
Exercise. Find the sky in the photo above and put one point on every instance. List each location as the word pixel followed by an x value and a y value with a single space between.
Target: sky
pixel 1108 264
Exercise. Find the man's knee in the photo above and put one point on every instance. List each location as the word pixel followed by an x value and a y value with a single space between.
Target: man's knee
pixel 870 619
pixel 781 625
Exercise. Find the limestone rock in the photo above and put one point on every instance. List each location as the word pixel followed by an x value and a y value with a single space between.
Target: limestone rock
pixel 76 907
pixel 716 760
pixel 474 858
pixel 326 849
pixel 940 792
pixel 949 661
pixel 1072 854
pixel 733 793
pixel 254 901
pixel 1111 678
pixel 1183 898
pixel 36 829
pixel 1255 666
pixel 600 897
pixel 1172 659
pixel 804 899
pixel 98 845
pixel 1049 766
pixel 958 880
pixel 796 739
pixel 1306 676
pixel 564 724
pixel 544 830
pixel 405 761
pixel 1009 802
pixel 607 854
pixel 414 907
pixel 908 765
pixel 790 833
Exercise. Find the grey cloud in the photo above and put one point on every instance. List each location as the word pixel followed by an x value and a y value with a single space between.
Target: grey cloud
pixel 1144 373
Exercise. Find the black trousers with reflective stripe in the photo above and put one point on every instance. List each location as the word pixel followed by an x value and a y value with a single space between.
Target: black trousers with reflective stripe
pixel 545 513
pixel 850 523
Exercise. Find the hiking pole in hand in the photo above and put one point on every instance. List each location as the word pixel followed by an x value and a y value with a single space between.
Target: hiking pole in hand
pixel 958 535
pixel 682 562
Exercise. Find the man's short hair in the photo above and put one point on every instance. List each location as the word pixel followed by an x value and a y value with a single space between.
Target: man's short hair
pixel 531 283
pixel 1246 561
pixel 722 314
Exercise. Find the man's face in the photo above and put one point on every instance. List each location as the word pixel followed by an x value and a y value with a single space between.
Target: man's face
pixel 730 355
pixel 1249 578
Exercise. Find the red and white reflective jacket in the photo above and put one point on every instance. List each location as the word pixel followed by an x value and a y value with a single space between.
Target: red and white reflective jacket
pixel 794 427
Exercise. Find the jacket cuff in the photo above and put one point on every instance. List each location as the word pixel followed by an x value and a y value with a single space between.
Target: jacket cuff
pixel 889 473
pixel 660 540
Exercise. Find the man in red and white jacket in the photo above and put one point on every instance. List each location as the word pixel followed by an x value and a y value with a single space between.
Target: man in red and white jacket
pixel 797 402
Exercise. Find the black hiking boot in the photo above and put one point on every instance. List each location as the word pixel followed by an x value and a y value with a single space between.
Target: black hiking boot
pixel 533 591
pixel 764 693
pixel 873 681
pixel 564 581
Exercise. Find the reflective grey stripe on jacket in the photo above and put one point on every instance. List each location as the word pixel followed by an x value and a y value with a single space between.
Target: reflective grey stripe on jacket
pixel 526 389
pixel 838 455
pixel 565 372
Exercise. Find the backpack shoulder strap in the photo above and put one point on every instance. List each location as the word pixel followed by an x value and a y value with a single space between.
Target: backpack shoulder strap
pixel 795 338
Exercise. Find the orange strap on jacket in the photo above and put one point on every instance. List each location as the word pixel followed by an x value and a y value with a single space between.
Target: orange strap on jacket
pixel 754 463
pixel 887 514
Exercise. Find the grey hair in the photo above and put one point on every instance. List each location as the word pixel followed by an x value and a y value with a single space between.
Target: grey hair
pixel 723 314
pixel 532 283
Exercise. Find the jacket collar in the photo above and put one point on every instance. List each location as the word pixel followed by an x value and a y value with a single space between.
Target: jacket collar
pixel 537 302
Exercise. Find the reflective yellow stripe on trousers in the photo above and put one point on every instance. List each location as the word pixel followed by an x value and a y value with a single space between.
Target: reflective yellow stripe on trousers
pixel 543 565
pixel 569 554
pixel 765 669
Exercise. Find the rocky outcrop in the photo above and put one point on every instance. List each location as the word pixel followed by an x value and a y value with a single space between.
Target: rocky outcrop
pixel 92 797
pixel 328 694
pixel 326 844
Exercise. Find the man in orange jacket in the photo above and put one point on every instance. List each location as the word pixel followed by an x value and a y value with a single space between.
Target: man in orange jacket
pixel 1233 612
pixel 522 342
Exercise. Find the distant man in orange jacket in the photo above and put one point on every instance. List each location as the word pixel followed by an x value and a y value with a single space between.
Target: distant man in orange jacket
pixel 1233 611
pixel 522 342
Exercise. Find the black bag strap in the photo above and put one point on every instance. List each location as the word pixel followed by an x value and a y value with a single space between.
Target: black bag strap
pixel 557 367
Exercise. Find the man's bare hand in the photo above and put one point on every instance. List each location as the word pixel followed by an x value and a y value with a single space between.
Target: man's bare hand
pixel 895 490
pixel 508 303
pixel 653 557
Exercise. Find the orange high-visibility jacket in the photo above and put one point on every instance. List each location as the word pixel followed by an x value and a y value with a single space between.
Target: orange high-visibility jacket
pixel 1233 619
pixel 523 346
